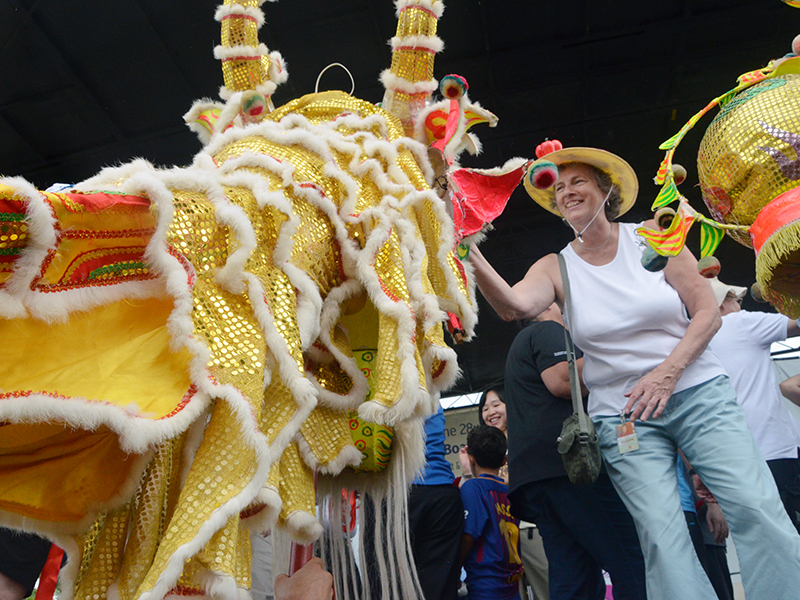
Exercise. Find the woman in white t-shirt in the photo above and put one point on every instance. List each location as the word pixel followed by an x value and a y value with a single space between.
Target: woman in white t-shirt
pixel 646 360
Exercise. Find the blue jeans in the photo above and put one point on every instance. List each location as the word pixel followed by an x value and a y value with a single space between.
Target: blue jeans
pixel 709 426
pixel 584 530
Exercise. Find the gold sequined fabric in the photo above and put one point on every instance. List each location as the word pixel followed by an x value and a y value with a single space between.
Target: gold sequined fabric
pixel 416 20
pixel 284 261
pixel 412 63
pixel 151 510
pixel 246 71
pixel 222 468
pixel 749 153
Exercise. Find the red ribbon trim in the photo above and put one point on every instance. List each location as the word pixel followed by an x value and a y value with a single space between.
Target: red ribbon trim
pixel 49 576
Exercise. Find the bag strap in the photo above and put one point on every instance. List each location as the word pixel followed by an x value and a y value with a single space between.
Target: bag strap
pixel 574 381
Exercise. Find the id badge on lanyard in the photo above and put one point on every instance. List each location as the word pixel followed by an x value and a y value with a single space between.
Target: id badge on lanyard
pixel 627 440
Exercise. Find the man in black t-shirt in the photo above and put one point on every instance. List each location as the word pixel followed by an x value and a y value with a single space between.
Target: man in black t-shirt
pixel 584 529
pixel 22 556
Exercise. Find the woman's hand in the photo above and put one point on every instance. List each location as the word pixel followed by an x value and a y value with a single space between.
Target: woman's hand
pixel 650 394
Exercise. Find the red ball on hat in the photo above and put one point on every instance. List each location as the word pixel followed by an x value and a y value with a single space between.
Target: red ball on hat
pixel 543 175
pixel 548 146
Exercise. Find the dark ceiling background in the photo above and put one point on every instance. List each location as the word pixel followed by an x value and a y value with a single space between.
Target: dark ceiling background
pixel 91 83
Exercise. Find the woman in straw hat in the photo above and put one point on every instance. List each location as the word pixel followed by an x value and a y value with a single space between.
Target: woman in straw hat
pixel 646 361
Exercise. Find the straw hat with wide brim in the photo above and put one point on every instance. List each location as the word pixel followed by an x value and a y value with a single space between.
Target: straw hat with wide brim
pixel 622 175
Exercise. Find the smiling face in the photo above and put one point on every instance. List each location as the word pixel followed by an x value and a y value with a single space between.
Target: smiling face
pixel 577 193
pixel 494 412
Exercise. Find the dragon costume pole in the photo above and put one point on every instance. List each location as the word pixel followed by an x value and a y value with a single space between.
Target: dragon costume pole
pixel 247 64
pixel 409 81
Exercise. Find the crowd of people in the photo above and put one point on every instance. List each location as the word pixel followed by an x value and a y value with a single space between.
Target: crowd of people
pixel 707 448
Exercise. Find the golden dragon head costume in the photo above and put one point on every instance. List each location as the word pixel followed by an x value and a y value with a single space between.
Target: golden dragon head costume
pixel 190 352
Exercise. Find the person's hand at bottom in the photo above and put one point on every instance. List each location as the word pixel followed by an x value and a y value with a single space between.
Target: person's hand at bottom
pixel 311 582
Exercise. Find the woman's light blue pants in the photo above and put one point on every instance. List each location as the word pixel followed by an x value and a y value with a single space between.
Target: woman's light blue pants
pixel 709 426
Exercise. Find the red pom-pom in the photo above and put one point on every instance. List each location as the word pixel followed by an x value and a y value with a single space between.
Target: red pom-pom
pixel 543 175
pixel 796 45
pixel 546 147
pixel 254 105
pixel 453 86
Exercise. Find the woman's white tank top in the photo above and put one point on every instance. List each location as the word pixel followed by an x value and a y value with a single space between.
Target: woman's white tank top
pixel 627 320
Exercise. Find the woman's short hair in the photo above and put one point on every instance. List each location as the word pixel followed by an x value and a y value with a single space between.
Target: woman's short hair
pixel 605 183
pixel 497 389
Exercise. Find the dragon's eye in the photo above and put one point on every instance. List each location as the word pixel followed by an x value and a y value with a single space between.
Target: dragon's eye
pixel 453 86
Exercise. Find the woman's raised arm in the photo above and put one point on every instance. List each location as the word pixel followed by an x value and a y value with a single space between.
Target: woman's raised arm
pixel 540 287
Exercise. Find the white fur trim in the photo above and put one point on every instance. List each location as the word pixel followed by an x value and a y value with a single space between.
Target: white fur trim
pixel 349 456
pixel 303 527
pixel 278 69
pixel 223 10
pixel 42 238
pixel 231 275
pixel 471 144
pixel 510 165
pixel 330 316
pixel 426 42
pixel 435 6
pixel 193 114
pixel 266 89
pixel 136 432
pixel 218 585
pixel 265 519
pixel 394 82
pixel 233 104
pixel 449 374
pixel 227 52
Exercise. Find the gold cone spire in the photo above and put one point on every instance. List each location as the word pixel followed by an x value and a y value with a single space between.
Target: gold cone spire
pixel 409 82
pixel 246 63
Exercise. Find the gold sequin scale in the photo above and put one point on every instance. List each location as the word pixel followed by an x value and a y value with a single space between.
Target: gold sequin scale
pixel 737 165
pixel 242 73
